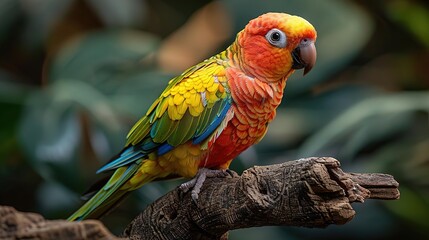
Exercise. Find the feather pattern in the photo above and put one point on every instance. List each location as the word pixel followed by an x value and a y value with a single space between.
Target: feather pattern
pixel 210 113
pixel 169 128
pixel 176 117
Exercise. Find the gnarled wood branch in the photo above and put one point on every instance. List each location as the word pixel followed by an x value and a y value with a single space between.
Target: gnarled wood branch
pixel 311 192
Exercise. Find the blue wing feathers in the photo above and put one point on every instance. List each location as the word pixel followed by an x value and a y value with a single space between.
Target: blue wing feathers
pixel 164 148
pixel 157 133
pixel 128 156
pixel 140 151
pixel 213 125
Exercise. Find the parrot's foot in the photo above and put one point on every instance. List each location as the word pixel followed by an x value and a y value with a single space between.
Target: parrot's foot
pixel 197 182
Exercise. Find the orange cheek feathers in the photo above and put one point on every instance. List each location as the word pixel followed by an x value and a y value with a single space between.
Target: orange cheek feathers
pixel 263 60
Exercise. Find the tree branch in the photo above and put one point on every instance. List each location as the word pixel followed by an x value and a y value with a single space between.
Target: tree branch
pixel 18 225
pixel 312 192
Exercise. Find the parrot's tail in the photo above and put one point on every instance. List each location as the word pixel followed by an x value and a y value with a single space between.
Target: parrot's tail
pixel 108 195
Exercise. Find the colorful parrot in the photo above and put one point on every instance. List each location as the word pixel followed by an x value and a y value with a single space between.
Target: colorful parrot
pixel 210 113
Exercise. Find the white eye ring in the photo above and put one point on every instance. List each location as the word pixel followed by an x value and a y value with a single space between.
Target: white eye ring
pixel 276 38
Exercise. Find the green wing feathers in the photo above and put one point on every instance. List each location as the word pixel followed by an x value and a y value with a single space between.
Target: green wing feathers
pixel 184 109
pixel 107 196
pixel 192 107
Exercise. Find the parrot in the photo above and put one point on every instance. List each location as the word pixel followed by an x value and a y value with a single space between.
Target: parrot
pixel 210 113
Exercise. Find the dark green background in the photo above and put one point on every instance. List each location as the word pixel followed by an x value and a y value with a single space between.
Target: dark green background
pixel 66 106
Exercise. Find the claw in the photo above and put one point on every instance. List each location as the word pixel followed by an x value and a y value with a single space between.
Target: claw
pixel 232 173
pixel 197 182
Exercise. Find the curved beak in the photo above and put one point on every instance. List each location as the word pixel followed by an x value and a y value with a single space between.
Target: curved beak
pixel 304 56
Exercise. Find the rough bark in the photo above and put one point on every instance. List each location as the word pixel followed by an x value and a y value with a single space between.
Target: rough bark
pixel 18 225
pixel 312 192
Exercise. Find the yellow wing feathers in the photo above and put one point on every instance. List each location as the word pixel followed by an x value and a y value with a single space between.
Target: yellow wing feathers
pixel 193 93
pixel 189 94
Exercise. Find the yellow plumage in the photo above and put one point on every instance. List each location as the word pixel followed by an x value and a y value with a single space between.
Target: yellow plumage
pixel 195 122
pixel 186 95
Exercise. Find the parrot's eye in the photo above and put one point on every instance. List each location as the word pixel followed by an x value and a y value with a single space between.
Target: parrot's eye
pixel 276 38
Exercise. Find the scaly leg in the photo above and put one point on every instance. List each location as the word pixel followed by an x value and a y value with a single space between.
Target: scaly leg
pixel 197 182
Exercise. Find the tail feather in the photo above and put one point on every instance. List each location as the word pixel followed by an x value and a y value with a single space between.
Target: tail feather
pixel 94 188
pixel 107 196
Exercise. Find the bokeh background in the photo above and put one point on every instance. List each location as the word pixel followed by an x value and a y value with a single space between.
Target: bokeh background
pixel 76 74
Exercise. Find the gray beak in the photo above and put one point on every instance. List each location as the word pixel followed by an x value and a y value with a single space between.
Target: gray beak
pixel 304 56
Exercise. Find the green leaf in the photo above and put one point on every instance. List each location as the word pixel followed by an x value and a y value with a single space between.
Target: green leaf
pixel 50 135
pixel 125 13
pixel 93 57
pixel 300 117
pixel 412 15
pixel 40 18
pixel 349 121
pixel 375 129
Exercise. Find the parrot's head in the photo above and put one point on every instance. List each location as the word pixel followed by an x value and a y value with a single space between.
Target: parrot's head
pixel 273 45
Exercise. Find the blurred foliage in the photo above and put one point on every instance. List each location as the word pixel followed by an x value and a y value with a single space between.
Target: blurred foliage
pixel 75 76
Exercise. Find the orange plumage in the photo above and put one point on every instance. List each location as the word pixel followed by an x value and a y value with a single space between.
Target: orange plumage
pixel 212 112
